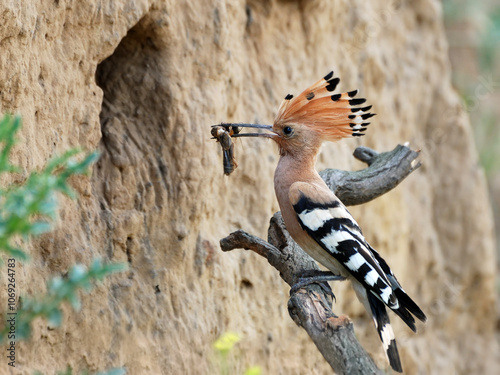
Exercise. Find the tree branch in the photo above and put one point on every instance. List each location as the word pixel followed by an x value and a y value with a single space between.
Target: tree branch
pixel 310 307
pixel 385 171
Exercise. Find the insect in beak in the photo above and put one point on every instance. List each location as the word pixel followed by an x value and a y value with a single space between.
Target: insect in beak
pixel 223 135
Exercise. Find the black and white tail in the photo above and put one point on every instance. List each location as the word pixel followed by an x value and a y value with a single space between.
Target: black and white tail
pixel 406 306
pixel 385 332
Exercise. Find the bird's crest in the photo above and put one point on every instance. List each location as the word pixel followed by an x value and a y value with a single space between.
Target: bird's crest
pixel 333 116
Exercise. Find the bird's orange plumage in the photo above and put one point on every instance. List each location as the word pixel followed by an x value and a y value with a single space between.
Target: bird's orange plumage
pixel 333 116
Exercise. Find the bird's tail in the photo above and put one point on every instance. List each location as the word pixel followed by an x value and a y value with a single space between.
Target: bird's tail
pixel 385 332
pixel 407 306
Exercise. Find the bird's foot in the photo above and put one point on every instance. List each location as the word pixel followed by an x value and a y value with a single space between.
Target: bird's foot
pixel 319 277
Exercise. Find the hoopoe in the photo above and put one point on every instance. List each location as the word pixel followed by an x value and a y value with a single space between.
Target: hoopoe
pixel 316 219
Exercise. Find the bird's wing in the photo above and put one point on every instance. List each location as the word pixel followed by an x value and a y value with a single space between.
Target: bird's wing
pixel 406 303
pixel 328 222
pixel 336 115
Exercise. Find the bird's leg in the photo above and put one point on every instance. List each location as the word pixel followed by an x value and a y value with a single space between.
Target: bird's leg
pixel 319 277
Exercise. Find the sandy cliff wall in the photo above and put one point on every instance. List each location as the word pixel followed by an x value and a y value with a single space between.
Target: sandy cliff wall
pixel 142 81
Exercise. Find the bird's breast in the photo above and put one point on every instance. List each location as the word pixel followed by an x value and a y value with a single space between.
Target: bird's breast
pixel 306 242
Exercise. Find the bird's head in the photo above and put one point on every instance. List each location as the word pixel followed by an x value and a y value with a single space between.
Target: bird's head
pixel 296 138
pixel 316 115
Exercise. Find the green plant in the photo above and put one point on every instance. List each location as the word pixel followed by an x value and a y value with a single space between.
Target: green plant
pixel 26 210
pixel 224 348
pixel 59 290
pixel 489 42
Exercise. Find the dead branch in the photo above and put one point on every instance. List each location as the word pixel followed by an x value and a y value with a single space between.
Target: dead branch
pixel 385 171
pixel 310 307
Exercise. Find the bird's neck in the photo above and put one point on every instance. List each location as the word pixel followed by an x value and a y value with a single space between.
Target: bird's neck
pixel 292 168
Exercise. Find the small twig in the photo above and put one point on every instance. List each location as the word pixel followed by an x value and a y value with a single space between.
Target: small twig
pixel 281 251
pixel 309 307
pixel 365 154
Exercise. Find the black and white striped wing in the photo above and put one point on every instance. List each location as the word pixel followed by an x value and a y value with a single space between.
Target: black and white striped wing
pixel 326 220
pixel 329 223
pixel 335 230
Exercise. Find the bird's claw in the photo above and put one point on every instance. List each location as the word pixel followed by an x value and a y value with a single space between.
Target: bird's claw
pixel 318 277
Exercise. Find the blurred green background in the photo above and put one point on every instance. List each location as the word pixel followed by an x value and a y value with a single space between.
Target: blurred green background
pixel 473 31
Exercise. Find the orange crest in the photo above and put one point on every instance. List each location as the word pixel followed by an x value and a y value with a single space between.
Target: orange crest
pixel 332 116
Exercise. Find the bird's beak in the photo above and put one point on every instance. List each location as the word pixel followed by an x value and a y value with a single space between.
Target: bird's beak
pixel 253 126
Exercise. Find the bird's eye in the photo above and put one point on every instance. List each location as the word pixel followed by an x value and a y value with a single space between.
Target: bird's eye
pixel 288 131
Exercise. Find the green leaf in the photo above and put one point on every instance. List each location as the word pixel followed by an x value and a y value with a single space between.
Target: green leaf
pixel 115 371
pixel 55 284
pixel 23 330
pixel 55 317
pixel 74 301
pixel 39 227
pixel 16 253
pixel 68 371
pixel 77 273
pixel 254 370
pixel 226 342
